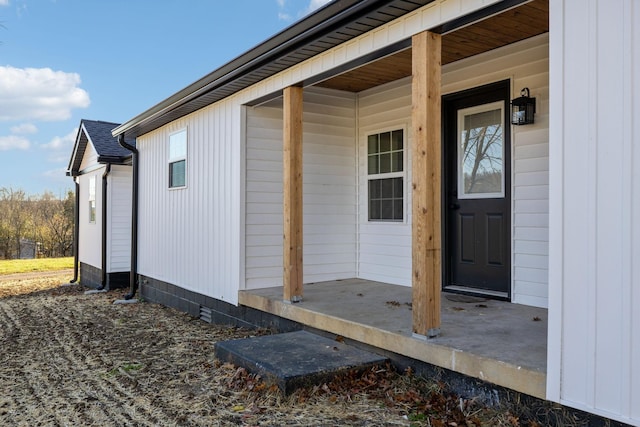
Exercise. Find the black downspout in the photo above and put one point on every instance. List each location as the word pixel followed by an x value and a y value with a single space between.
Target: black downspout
pixel 133 284
pixel 76 231
pixel 103 279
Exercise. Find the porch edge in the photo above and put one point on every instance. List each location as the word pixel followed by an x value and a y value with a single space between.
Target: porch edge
pixel 503 374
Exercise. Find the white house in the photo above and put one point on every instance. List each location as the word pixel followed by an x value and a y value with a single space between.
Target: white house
pixel 377 138
pixel 102 172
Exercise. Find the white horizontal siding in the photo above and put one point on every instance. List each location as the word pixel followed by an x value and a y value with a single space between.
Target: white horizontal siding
pixel 119 216
pixel 329 186
pixel 526 64
pixel 594 324
pixel 385 247
pixel 90 233
pixel 389 106
pixel 191 237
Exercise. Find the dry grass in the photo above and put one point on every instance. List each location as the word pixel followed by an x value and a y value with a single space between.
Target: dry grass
pixel 14 266
pixel 72 359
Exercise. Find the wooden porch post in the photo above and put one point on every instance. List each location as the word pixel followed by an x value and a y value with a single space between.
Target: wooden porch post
pixel 292 190
pixel 427 174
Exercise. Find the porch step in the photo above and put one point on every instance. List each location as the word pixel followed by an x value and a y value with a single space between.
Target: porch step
pixel 295 359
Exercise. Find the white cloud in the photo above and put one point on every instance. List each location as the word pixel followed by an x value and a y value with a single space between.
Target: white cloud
pixel 285 14
pixel 62 142
pixel 14 142
pixel 56 174
pixel 316 4
pixel 4 2
pixel 39 94
pixel 24 128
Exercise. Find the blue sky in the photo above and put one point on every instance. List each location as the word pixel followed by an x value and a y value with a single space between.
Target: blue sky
pixel 64 60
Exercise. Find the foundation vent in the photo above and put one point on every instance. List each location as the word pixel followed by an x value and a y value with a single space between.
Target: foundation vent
pixel 205 314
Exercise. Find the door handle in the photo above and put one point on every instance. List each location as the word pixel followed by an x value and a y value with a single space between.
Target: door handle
pixel 454 206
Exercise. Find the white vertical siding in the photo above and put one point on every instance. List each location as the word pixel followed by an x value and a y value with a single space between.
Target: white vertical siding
pixel 329 182
pixel 594 329
pixel 90 233
pixel 385 247
pixel 190 236
pixel 119 219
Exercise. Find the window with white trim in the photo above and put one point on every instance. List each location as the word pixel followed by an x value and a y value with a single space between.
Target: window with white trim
pixel 178 159
pixel 92 199
pixel 385 174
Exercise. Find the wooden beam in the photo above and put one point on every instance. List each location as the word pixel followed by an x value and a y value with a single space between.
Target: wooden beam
pixel 292 190
pixel 427 175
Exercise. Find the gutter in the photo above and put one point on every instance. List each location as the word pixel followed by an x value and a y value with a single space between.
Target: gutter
pixel 326 19
pixel 76 231
pixel 103 279
pixel 133 284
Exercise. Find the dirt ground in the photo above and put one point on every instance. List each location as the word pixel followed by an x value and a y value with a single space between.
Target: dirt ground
pixel 70 359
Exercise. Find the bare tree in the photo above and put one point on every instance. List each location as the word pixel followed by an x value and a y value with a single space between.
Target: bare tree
pixel 482 158
pixel 45 220
pixel 54 224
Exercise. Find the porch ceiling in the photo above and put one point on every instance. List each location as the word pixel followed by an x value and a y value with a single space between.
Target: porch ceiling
pixel 528 20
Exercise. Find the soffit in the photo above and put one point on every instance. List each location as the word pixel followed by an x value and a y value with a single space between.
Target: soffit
pixel 508 27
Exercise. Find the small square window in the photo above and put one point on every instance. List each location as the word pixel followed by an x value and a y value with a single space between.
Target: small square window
pixel 178 159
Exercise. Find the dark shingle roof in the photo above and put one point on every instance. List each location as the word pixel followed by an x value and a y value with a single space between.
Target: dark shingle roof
pixel 107 147
pixel 105 144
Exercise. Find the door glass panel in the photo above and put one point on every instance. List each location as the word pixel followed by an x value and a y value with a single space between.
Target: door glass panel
pixel 481 151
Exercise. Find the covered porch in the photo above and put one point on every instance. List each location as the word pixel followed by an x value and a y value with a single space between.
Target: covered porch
pixel 496 341
pixel 375 280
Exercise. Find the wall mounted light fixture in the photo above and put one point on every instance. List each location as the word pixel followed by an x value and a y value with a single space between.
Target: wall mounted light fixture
pixel 523 108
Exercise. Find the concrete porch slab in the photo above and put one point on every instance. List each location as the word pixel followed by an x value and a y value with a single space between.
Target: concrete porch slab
pixel 499 342
pixel 295 359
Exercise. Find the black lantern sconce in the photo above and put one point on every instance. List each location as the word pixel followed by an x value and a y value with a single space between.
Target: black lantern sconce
pixel 523 108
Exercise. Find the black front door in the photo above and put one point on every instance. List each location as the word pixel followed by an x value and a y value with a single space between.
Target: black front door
pixel 477 190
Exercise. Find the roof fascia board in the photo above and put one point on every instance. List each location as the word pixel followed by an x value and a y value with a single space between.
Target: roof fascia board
pixel 113 160
pixel 294 37
pixel 90 169
pixel 478 15
pixel 71 169
pixel 298 33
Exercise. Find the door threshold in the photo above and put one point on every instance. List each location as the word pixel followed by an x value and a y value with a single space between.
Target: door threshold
pixel 475 291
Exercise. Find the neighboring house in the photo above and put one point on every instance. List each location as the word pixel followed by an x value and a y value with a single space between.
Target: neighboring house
pixel 375 137
pixel 102 171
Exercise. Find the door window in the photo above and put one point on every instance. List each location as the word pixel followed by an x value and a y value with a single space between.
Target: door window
pixel 481 151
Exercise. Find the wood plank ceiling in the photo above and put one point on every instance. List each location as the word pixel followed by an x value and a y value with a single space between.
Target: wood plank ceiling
pixel 528 20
